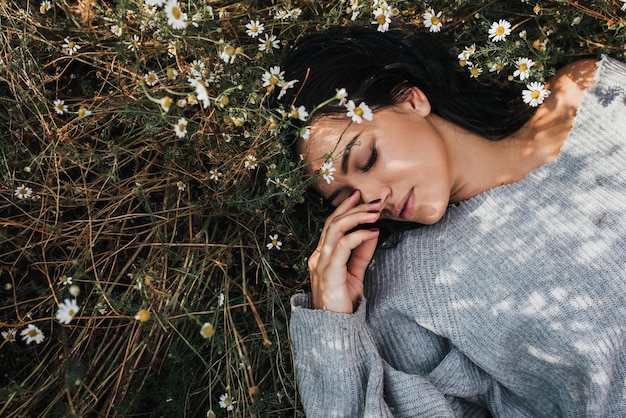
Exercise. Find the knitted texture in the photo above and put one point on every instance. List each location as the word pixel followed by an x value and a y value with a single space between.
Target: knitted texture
pixel 513 305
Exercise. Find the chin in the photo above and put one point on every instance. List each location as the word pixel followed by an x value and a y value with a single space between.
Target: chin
pixel 430 215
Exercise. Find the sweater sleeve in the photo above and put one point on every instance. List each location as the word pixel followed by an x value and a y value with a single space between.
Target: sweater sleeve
pixel 341 374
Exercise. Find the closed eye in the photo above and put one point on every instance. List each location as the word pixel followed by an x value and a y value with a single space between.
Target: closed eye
pixel 371 161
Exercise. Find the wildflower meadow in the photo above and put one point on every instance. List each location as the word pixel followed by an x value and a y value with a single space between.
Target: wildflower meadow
pixel 153 218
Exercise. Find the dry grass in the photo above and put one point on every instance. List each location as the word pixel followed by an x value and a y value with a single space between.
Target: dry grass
pixel 134 214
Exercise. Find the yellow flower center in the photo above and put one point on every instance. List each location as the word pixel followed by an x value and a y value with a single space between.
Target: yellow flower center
pixel 71 44
pixel 474 71
pixel 176 12
pixel 358 111
pixel 63 279
pixel 294 113
pixel 499 66
pixel 207 331
pixel 500 31
pixel 151 78
pixel 523 67
pixel 33 333
pixel 434 20
pixel 182 127
pixel 229 50
pixel 273 80
pixel 535 94
pixel 71 312
pixel 225 100
pixel 254 29
pixel 381 19
pixel 166 102
pixel 143 315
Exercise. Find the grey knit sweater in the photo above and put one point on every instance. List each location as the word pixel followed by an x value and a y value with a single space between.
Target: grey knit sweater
pixel 513 305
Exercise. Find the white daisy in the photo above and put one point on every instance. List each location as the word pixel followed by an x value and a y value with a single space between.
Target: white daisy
pixel 45 6
pixel 474 71
pixel 305 132
pixel 327 170
pixel 228 53
pixel 116 30
pixel 9 335
pixel 220 300
pixel 295 13
pixel 134 43
pixel 497 66
pixel 158 3
pixel 197 68
pixel 181 186
pixel 227 402
pixel 176 18
pixel 499 30
pixel 624 5
pixel 274 242
pixel 536 94
pixel 273 76
pixel 23 192
pixel 268 43
pixel 523 68
pixel 83 112
pixel 65 280
pixel 284 86
pixel 382 18
pixel 358 113
pixel 341 95
pixel 432 20
pixel 254 28
pixel 214 175
pixel 181 128
pixel 207 331
pixel 151 78
pixel 32 334
pixel 59 106
pixel 166 103
pixel 202 93
pixel 250 162
pixel 70 46
pixel 299 113
pixel 67 311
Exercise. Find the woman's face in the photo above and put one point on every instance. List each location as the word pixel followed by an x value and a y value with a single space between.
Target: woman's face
pixel 398 157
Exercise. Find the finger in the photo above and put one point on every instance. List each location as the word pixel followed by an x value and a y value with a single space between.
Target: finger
pixel 346 205
pixel 344 224
pixel 345 247
pixel 362 255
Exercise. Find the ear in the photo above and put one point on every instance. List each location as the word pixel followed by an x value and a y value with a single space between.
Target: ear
pixel 415 100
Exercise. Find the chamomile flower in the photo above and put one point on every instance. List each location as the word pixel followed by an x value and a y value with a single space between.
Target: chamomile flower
pixel 499 30
pixel 181 186
pixel 197 68
pixel 59 106
pixel 70 46
pixel 497 66
pixel 273 76
pixel 202 93
pixel 382 18
pixel 67 311
pixel 250 162
pixel 624 5
pixel 65 280
pixel 295 13
pixel 9 335
pixel 166 103
pixel 172 48
pixel 326 171
pixel 228 53
pixel 180 128
pixel 45 6
pixel 116 30
pixel 523 66
pixel 474 70
pixel 274 242
pixel 23 192
pixel 305 132
pixel 157 3
pixel 536 94
pixel 84 112
pixel 254 28
pixel 207 330
pixel 227 402
pixel 299 113
pixel 32 334
pixel 176 18
pixel 464 56
pixel 151 78
pixel 432 20
pixel 284 86
pixel 358 113
pixel 143 315
pixel 220 300
pixel 135 43
pixel 215 175
pixel 270 42
pixel 342 96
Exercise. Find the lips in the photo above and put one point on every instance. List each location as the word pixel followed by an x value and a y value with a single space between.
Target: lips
pixel 406 207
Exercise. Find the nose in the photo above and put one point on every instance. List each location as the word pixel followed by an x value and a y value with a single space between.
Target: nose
pixel 373 193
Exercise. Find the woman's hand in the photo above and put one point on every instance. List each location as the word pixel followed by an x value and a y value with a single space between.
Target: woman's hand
pixel 338 265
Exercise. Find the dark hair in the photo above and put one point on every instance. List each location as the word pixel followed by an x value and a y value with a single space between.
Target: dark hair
pixel 378 68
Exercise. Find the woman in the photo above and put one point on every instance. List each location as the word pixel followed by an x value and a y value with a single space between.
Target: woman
pixel 509 300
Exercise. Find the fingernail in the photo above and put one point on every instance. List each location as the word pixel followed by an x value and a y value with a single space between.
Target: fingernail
pixel 352 192
pixel 375 201
pixel 374 229
pixel 373 211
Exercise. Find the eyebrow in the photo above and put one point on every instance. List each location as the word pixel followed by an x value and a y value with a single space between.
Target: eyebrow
pixel 345 159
